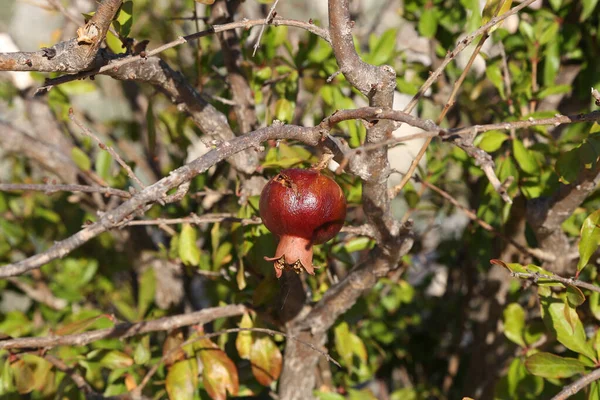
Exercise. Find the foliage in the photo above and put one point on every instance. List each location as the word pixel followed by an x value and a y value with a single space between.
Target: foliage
pixel 424 332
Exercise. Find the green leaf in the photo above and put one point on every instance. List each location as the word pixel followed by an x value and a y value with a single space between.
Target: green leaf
pixel 284 110
pixel 551 62
pixel 491 141
pixel 494 74
pixel 558 89
pixel 347 344
pixel 514 323
pixel 266 361
pixel 383 50
pixel 116 359
pixel 575 296
pixel 188 251
pixel 568 332
pixel 524 158
pixel 81 159
pixel 588 8
pixel 103 164
pixel 555 4
pixel 550 33
pixel 125 19
pixel 492 9
pixel 243 342
pixel 428 23
pixel 590 239
pixel 548 365
pixel 147 289
pixel 182 380
pixel 142 354
pixel 568 166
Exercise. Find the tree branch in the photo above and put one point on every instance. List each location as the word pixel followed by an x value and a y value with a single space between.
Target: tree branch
pixel 75 55
pixel 579 384
pixel 126 329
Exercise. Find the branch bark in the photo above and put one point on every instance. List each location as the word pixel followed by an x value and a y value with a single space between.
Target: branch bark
pixel 75 55
pixel 126 329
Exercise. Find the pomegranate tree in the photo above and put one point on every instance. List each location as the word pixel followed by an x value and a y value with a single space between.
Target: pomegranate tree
pixel 302 207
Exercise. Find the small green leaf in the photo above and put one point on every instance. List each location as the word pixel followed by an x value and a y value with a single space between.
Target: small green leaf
pixel 142 354
pixel 188 250
pixel 590 239
pixel 555 4
pixel 243 342
pixel 428 23
pixel 81 159
pixel 575 296
pixel 514 323
pixel 568 166
pixel 524 158
pixel 568 332
pixel 588 8
pixel 491 141
pixel 147 289
pixel 284 110
pixel 494 74
pixel 558 89
pixel 548 365
pixel 116 359
pixel 125 19
pixel 103 164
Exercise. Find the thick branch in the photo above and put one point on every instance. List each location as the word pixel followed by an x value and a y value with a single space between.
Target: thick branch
pixel 75 55
pixel 126 329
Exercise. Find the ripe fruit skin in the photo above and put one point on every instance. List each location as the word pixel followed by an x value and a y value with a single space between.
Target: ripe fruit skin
pixel 303 208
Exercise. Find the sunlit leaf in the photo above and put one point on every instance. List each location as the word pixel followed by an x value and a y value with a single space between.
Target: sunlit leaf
pixel 548 365
pixel 188 250
pixel 182 380
pixel 266 360
pixel 514 323
pixel 590 238
pixel 243 342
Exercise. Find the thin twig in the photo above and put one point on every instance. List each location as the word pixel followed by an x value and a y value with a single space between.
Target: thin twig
pixel 542 255
pixel 49 189
pixel 535 276
pixel 579 384
pixel 79 380
pixel 245 24
pixel 110 150
pixel 450 55
pixel 447 106
pixel 40 294
pixel 262 28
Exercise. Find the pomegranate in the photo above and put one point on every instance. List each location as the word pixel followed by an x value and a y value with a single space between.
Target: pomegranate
pixel 303 208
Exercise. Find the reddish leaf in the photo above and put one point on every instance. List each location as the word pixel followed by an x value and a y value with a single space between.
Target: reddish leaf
pixel 172 350
pixel 266 361
pixel 219 374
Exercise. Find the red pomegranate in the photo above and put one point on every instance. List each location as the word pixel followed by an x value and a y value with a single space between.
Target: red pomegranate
pixel 303 208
